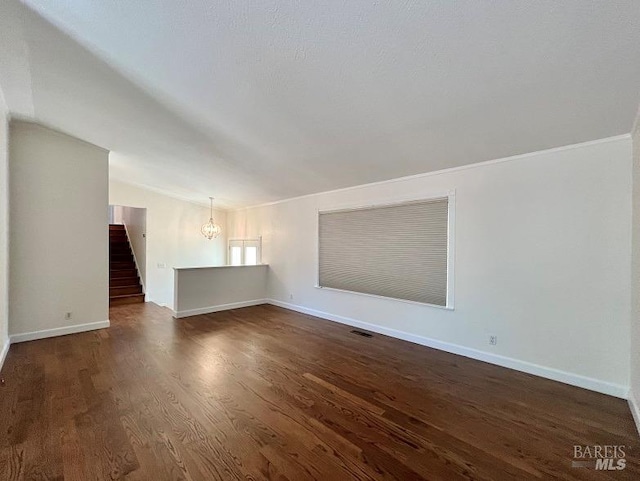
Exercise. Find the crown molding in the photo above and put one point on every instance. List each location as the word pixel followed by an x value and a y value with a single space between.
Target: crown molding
pixel 606 140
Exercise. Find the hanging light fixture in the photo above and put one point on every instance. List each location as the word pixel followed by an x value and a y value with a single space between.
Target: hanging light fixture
pixel 211 229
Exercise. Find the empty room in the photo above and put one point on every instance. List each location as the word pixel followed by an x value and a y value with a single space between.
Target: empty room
pixel 285 240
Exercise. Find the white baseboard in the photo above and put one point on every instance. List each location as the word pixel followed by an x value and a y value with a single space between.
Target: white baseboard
pixel 635 409
pixel 3 353
pixel 59 331
pixel 220 307
pixel 597 385
pixel 578 380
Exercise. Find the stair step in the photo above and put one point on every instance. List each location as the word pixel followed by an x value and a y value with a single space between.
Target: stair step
pixel 120 251
pixel 122 265
pixel 119 244
pixel 117 257
pixel 124 281
pixel 126 299
pixel 121 291
pixel 116 227
pixel 119 273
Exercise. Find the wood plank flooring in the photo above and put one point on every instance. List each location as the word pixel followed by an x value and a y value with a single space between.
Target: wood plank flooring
pixel 266 393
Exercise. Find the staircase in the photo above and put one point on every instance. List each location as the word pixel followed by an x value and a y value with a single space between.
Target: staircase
pixel 124 283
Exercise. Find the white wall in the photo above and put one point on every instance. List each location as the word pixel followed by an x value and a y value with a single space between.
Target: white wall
pixel 115 214
pixel 59 246
pixel 542 260
pixel 204 290
pixel 634 379
pixel 173 237
pixel 4 229
pixel 135 221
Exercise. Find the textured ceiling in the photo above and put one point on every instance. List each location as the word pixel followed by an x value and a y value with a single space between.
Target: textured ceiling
pixel 254 101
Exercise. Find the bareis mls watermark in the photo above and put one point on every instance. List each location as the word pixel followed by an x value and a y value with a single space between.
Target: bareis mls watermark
pixel 606 457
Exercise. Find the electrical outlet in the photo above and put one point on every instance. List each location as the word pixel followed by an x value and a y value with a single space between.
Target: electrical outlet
pixel 67 316
pixel 493 340
pixel 161 265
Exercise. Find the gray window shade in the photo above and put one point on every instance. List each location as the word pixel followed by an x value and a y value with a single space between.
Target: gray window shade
pixel 397 251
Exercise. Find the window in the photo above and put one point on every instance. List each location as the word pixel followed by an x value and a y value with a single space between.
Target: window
pixel 401 251
pixel 236 255
pixel 245 252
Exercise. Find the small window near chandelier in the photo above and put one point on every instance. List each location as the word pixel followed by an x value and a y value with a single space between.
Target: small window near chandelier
pixel 245 252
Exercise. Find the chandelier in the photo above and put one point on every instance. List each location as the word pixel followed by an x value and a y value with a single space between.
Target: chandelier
pixel 211 229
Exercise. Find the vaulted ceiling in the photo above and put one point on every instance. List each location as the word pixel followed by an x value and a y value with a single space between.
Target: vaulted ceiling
pixel 254 101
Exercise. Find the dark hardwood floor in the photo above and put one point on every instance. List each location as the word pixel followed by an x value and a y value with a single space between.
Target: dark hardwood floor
pixel 266 393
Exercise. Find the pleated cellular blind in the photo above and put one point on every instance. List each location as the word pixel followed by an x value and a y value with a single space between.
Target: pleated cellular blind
pixel 397 251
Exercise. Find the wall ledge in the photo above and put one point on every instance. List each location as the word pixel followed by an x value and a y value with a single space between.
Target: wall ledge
pixel 59 331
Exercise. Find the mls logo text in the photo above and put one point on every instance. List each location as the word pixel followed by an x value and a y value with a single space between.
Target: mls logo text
pixel 607 457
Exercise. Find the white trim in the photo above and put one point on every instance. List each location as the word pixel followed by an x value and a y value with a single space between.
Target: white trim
pixel 166 193
pixel 258 238
pixel 578 380
pixel 635 409
pixel 451 249
pixel 562 148
pixel 218 308
pixel 58 331
pixel 4 352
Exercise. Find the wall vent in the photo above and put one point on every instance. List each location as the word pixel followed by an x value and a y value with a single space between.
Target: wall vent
pixel 361 333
